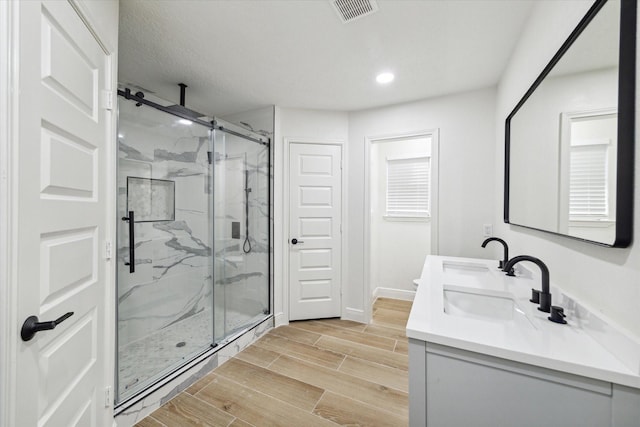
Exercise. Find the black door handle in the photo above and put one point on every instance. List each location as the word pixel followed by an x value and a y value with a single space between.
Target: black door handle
pixel 31 325
pixel 296 241
pixel 132 242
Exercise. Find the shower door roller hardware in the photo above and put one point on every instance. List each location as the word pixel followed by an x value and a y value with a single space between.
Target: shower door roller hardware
pixel 296 241
pixel 132 242
pixel 31 325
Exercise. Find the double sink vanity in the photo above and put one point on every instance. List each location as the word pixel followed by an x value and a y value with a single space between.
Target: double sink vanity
pixel 482 354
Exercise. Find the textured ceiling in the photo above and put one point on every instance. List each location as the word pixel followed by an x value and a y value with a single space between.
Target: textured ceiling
pixel 237 55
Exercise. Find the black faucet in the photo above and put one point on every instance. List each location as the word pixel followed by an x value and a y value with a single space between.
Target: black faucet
pixel 542 297
pixel 501 263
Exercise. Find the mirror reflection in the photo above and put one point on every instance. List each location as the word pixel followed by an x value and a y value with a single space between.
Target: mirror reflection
pixel 563 139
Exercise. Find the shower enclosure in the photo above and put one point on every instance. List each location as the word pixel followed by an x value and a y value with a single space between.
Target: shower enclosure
pixel 241 232
pixel 193 241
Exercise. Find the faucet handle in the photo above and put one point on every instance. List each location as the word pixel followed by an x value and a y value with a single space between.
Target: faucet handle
pixel 557 314
pixel 545 302
pixel 535 296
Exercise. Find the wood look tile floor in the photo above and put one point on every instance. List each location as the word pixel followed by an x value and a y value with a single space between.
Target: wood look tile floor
pixel 310 373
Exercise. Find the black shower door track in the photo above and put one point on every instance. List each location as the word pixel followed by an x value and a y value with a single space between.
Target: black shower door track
pixel 126 93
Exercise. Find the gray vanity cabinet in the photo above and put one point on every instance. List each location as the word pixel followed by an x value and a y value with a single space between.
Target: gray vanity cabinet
pixel 449 387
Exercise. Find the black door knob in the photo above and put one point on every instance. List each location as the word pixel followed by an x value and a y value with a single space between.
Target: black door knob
pixel 31 326
pixel 296 241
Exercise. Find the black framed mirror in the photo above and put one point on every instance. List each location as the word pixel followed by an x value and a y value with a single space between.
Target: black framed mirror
pixel 569 149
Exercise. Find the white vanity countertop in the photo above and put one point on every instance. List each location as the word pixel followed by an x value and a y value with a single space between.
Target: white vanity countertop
pixel 568 348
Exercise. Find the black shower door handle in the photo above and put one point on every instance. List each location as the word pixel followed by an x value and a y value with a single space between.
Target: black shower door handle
pixel 132 242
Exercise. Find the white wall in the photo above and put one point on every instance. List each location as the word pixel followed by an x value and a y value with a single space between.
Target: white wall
pixel 308 125
pixel 259 120
pixel 398 245
pixel 467 169
pixel 606 279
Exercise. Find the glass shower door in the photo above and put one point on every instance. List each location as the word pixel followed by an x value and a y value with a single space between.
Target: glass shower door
pixel 165 285
pixel 241 233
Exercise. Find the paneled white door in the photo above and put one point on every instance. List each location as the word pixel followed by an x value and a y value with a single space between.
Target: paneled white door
pixel 315 216
pixel 61 217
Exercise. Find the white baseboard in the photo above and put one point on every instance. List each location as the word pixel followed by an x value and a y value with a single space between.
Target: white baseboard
pixel 354 314
pixel 393 293
pixel 280 320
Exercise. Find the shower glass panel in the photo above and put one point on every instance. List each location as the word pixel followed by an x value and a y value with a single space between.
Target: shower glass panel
pixel 165 263
pixel 241 233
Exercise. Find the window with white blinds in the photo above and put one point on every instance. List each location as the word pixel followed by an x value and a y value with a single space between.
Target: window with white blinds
pixel 408 185
pixel 588 187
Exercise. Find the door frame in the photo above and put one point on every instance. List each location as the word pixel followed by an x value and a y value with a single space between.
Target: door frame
pixel 9 138
pixel 434 134
pixel 345 312
pixel 8 133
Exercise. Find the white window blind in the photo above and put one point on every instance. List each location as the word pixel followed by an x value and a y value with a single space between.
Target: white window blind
pixel 588 190
pixel 408 187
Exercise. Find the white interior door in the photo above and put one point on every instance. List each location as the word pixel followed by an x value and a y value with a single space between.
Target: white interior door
pixel 61 217
pixel 315 216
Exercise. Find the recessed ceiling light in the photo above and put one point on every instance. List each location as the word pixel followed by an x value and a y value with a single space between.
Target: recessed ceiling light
pixel 384 78
pixel 185 122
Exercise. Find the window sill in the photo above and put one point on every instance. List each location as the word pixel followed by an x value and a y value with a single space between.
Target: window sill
pixel 592 223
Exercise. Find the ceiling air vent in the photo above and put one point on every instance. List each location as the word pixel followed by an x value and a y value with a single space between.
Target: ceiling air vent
pixel 350 10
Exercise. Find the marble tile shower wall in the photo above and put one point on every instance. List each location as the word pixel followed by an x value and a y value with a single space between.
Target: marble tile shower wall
pixel 173 273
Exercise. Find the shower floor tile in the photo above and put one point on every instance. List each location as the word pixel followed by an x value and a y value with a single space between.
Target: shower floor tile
pixel 148 358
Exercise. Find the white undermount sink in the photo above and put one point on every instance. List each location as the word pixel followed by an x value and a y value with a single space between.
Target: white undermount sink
pixel 466 273
pixel 464 268
pixel 484 305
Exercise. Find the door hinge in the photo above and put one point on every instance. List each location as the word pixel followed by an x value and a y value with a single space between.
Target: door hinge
pixel 108 250
pixel 107 100
pixel 107 397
